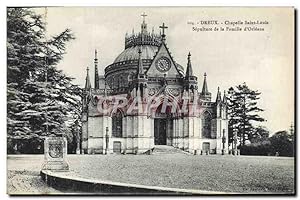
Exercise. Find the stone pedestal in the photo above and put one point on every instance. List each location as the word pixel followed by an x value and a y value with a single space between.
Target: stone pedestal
pixel 55 151
pixel 77 151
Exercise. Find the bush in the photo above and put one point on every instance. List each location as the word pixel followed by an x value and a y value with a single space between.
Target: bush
pixel 259 150
pixel 283 143
pixel 25 146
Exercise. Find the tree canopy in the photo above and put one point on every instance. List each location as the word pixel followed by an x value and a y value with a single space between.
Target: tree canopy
pixel 282 143
pixel 41 100
pixel 243 111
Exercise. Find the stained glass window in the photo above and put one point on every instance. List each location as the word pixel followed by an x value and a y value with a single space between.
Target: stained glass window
pixel 206 125
pixel 117 124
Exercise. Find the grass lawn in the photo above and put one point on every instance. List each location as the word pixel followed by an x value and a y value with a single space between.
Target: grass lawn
pixel 245 174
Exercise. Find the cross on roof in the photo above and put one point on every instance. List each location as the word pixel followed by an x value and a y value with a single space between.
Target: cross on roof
pixel 95 54
pixel 163 27
pixel 144 15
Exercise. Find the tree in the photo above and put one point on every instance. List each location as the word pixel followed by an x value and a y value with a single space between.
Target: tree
pixel 41 100
pixel 283 143
pixel 23 48
pixel 243 111
pixel 260 143
pixel 260 135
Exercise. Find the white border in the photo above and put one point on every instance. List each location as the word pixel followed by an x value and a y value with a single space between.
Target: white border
pixel 30 3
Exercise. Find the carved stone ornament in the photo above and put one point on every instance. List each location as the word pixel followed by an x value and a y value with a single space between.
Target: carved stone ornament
pixel 174 91
pixel 163 64
pixel 153 91
pixel 55 150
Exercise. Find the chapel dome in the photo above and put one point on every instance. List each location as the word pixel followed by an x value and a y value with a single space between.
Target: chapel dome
pixel 131 53
pixel 148 53
pixel 123 69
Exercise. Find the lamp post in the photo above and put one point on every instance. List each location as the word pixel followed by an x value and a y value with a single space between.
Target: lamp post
pixel 223 142
pixel 106 140
pixel 234 143
pixel 77 138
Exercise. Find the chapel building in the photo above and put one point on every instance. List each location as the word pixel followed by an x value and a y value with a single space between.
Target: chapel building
pixel 145 98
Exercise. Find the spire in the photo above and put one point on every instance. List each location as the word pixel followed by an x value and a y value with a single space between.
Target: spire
pixel 144 25
pixel 96 71
pixel 87 80
pixel 204 87
pixel 224 97
pixel 205 94
pixel 140 64
pixel 219 98
pixel 189 69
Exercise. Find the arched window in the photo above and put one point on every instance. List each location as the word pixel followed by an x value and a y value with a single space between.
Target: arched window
pixel 225 113
pixel 206 125
pixel 130 76
pixel 116 82
pixel 121 82
pixel 117 124
pixel 111 82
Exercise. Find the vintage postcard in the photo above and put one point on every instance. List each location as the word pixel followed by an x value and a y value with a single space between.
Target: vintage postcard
pixel 151 100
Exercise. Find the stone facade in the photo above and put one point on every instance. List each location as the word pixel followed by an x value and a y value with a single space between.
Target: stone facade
pixel 145 99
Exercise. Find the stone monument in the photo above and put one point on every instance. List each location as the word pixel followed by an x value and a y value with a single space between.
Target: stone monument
pixel 55 151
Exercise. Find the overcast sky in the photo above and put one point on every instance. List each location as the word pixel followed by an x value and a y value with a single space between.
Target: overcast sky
pixel 262 59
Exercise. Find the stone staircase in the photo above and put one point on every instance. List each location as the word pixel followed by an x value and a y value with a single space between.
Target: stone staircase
pixel 164 149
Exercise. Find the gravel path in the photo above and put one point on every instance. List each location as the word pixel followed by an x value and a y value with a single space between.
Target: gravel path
pixel 214 172
pixel 23 175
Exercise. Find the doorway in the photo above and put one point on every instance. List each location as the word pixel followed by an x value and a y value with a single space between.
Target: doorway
pixel 160 131
pixel 206 147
